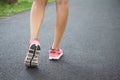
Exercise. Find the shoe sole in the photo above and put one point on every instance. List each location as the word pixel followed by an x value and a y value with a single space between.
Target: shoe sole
pixel 32 56
pixel 56 58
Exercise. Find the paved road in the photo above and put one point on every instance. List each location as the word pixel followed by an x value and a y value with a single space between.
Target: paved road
pixel 91 44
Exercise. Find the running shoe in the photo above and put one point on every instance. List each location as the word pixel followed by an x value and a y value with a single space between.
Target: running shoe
pixel 55 54
pixel 31 59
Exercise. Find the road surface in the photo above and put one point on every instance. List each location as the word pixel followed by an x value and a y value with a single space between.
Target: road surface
pixel 91 44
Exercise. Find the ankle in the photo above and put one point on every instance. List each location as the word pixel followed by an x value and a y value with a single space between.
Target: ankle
pixel 56 48
pixel 31 40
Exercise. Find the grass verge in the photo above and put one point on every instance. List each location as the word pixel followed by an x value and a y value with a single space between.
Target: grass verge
pixel 22 5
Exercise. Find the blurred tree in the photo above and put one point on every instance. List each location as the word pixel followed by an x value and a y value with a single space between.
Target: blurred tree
pixel 10 1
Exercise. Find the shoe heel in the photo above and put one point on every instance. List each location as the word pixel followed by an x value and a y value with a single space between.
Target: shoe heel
pixel 32 56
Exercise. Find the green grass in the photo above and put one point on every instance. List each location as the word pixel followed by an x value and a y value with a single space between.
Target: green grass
pixel 51 0
pixel 22 5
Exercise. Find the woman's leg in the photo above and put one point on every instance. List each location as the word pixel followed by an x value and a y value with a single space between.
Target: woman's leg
pixel 36 17
pixel 61 21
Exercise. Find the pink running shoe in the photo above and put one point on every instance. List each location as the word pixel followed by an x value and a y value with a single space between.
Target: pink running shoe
pixel 55 54
pixel 31 59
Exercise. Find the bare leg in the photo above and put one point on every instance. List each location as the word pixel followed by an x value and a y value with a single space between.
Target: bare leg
pixel 36 17
pixel 61 21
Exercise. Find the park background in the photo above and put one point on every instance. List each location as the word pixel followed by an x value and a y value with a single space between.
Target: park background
pixel 10 7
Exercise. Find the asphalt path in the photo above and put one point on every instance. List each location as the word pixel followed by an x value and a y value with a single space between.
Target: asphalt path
pixel 91 44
